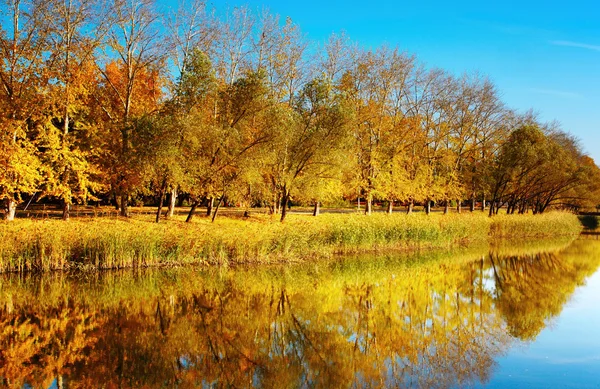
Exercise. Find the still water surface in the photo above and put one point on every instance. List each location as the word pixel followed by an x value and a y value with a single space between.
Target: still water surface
pixel 515 315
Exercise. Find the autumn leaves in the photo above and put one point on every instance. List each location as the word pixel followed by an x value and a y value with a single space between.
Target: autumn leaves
pixel 120 102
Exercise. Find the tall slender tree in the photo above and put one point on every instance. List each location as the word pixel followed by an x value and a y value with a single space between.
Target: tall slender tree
pixel 23 80
pixel 133 53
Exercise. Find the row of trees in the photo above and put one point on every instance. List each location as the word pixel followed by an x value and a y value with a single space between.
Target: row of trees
pixel 117 100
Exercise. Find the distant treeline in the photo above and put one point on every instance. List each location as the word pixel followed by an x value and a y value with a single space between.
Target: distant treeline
pixel 122 101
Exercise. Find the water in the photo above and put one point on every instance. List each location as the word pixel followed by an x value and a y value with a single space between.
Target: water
pixel 515 315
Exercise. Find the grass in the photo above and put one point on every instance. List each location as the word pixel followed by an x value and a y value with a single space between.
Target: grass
pixel 104 243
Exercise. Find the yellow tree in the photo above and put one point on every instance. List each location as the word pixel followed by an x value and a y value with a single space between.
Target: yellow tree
pixel 428 127
pixel 220 146
pixel 375 88
pixel 23 79
pixel 77 28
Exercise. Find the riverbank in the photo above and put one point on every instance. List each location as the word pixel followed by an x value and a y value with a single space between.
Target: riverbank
pixel 102 243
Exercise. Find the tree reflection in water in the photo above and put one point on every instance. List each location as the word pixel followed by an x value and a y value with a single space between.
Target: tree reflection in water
pixel 433 321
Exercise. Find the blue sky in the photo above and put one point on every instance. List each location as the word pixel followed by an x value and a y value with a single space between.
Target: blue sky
pixel 543 55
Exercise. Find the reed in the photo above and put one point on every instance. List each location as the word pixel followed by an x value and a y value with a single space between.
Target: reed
pixel 103 243
pixel 546 224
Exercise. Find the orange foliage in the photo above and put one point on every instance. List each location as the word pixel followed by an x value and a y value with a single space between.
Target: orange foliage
pixel 146 90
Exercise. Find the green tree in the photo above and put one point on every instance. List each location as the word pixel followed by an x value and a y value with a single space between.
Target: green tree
pixel 310 149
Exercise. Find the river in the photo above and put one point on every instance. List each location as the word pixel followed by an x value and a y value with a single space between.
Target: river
pixel 509 315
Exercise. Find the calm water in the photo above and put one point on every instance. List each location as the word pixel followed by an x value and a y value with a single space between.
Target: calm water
pixel 515 315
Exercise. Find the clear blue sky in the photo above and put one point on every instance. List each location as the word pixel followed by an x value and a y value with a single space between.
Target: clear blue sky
pixel 543 55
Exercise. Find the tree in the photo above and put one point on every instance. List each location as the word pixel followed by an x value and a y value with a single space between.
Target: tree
pixel 132 80
pixel 310 148
pixel 119 157
pixel 23 78
pixel 70 173
pixel 190 110
pixel 428 128
pixel 233 45
pixel 536 169
pixel 375 87
pixel 224 142
pixel 156 147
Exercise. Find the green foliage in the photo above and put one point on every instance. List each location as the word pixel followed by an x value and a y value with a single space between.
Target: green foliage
pixel 196 81
pixel 537 169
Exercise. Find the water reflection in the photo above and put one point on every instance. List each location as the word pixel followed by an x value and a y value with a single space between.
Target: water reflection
pixel 432 320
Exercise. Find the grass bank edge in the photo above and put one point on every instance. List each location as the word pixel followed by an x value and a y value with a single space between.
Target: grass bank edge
pixel 110 243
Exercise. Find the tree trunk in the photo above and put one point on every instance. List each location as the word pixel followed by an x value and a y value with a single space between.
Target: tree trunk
pixel 358 203
pixel 277 204
pixel 284 205
pixel 190 215
pixel 124 205
pixel 10 210
pixel 458 206
pixel 390 208
pixel 410 206
pixel 446 207
pixel 180 200
pixel 482 202
pixel 217 208
pixel 66 208
pixel 161 201
pixel 317 209
pixel 369 205
pixel 209 205
pixel 472 208
pixel 172 202
pixel 427 207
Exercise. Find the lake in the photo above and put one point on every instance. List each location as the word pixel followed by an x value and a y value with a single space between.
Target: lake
pixel 509 315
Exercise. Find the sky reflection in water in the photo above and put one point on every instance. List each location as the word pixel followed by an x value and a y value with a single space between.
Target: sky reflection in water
pixel 565 354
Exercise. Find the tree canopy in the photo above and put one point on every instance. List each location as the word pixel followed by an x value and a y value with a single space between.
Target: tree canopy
pixel 122 100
